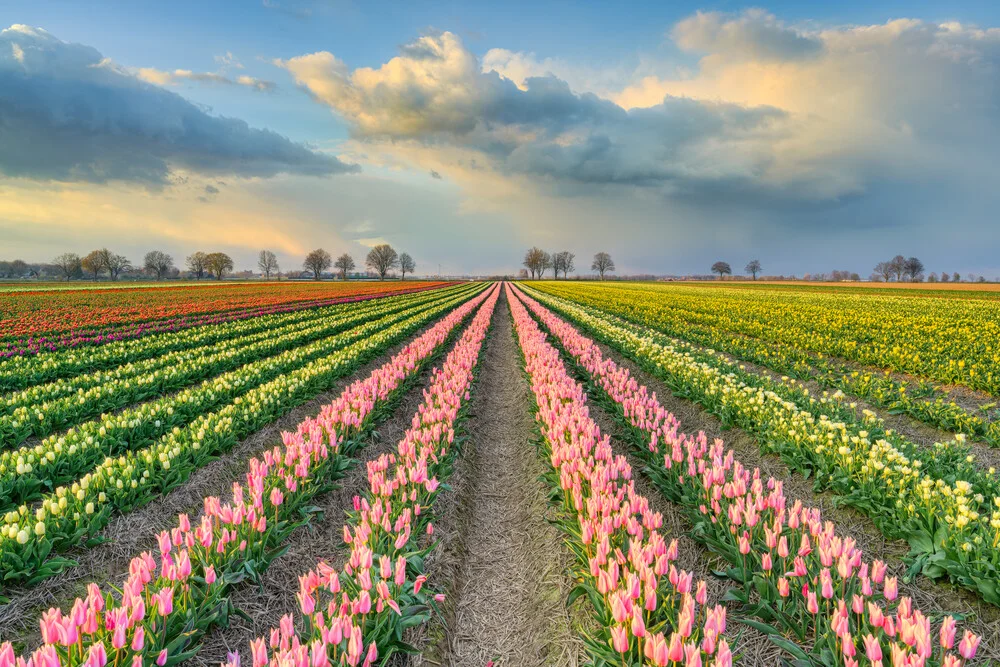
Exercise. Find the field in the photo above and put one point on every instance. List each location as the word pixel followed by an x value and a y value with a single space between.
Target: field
pixel 532 473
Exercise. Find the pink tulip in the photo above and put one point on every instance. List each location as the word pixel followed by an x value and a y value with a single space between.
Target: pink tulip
pixel 811 603
pixel 97 656
pixel 7 657
pixel 890 589
pixel 138 639
pixel 968 646
pixel 619 639
pixel 948 628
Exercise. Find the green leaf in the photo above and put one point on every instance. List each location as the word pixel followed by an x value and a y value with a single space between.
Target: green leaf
pixel 577 591
pixel 921 543
pixel 788 646
pixel 763 627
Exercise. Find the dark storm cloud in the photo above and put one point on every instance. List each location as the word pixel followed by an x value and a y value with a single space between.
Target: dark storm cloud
pixel 68 114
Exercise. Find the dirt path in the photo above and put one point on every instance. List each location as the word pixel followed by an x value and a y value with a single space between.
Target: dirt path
pixel 129 534
pixel 505 562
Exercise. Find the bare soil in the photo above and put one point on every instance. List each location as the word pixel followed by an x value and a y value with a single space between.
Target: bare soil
pixel 505 563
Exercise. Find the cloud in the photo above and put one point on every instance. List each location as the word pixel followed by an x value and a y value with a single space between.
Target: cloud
pixel 436 93
pixel 256 84
pixel 177 76
pixel 902 102
pixel 69 114
pixel 775 115
pixel 228 61
pixel 436 175
pixel 754 34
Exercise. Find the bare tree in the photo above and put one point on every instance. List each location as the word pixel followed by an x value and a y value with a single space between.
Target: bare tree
pixel 92 263
pixel 945 277
pixel 534 261
pixel 546 263
pixel 406 265
pixel 932 277
pixel 345 263
pixel 884 269
pixel 563 261
pixel 196 264
pixel 569 263
pixel 955 278
pixel 602 264
pixel 722 268
pixel 898 264
pixel 267 262
pixel 753 268
pixel 158 263
pixel 381 259
pixel 218 263
pixel 317 261
pixel 19 267
pixel 914 268
pixel 113 263
pixel 69 264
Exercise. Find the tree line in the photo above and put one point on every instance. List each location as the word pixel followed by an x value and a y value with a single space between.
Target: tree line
pixel 901 268
pixel 537 262
pixel 381 260
pixel 898 269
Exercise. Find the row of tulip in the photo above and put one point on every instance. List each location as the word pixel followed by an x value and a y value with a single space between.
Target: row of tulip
pixel 77 352
pixel 648 612
pixel 81 369
pixel 951 461
pixel 805 582
pixel 359 615
pixel 946 507
pixel 171 599
pixel 923 400
pixel 949 340
pixel 43 409
pixel 43 322
pixel 27 472
pixel 72 514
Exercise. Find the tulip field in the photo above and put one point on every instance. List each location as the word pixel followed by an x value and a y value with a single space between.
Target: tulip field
pixel 723 475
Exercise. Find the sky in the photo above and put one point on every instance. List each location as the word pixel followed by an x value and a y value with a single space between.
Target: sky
pixel 811 136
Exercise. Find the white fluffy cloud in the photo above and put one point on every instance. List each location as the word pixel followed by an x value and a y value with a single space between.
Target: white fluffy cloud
pixel 755 34
pixel 781 134
pixel 436 93
pixel 68 114
pixel 773 113
pixel 905 101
